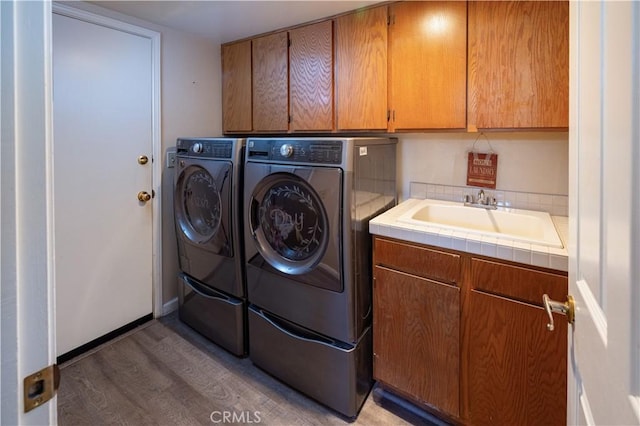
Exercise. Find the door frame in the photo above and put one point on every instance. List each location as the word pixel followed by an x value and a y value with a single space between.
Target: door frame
pixel 27 340
pixel 156 163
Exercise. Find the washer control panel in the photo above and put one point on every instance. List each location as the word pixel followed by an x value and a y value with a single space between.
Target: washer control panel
pixel 203 147
pixel 315 151
pixel 197 148
pixel 286 150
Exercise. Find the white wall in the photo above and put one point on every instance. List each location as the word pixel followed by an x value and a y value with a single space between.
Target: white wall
pixel 527 161
pixel 191 106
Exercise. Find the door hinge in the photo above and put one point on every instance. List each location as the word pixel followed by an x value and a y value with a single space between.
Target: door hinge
pixel 391 115
pixel 289 119
pixel 40 387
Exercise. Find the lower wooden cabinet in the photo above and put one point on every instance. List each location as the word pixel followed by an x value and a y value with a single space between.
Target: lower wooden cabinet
pixel 466 336
pixel 516 368
pixel 416 346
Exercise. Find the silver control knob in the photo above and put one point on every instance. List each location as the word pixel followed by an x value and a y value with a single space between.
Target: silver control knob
pixel 197 147
pixel 286 150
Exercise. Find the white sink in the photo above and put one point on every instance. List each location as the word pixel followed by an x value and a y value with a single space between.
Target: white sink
pixel 512 224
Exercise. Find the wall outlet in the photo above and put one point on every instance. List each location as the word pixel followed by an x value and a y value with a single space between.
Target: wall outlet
pixel 171 159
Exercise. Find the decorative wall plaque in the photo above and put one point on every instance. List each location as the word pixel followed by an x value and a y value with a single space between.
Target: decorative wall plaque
pixel 482 169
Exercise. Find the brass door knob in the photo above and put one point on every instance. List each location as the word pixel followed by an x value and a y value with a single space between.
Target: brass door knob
pixel 143 159
pixel 144 196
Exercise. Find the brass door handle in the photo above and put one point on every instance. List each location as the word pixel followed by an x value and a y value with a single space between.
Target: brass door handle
pixel 143 159
pixel 567 308
pixel 144 196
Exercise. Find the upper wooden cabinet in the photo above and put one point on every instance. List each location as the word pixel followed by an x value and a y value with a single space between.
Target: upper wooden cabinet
pixel 293 80
pixel 271 83
pixel 405 66
pixel 236 87
pixel 361 70
pixel 428 65
pixel 518 73
pixel 311 77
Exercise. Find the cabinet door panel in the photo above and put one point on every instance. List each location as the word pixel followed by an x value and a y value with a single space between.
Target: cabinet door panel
pixel 428 65
pixel 361 70
pixel 517 282
pixel 416 336
pixel 236 87
pixel 518 64
pixel 271 83
pixel 517 369
pixel 311 77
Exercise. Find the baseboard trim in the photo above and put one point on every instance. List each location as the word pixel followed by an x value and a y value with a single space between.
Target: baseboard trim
pixel 170 306
pixel 103 339
pixel 403 408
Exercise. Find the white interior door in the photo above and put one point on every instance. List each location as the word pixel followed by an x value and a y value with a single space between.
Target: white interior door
pixel 604 382
pixel 103 121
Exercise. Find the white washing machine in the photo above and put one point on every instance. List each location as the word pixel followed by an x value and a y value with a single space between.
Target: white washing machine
pixel 208 218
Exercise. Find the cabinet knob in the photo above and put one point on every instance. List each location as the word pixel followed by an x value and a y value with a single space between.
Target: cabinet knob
pixel 567 308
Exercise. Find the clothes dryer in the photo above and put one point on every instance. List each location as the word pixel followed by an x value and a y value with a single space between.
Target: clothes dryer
pixel 208 218
pixel 308 259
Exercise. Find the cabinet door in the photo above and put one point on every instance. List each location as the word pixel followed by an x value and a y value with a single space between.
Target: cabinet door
pixel 271 83
pixel 361 70
pixel 416 334
pixel 518 64
pixel 517 369
pixel 236 87
pixel 311 77
pixel 428 65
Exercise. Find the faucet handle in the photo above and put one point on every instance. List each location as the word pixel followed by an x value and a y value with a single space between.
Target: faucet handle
pixel 467 199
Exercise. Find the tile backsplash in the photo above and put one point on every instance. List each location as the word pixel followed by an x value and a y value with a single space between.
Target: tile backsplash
pixel 556 205
pixel 533 167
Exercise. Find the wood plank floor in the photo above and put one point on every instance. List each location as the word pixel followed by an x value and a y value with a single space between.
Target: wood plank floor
pixel 164 373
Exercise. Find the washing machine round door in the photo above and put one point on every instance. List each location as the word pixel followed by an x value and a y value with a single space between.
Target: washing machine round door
pixel 199 206
pixel 289 223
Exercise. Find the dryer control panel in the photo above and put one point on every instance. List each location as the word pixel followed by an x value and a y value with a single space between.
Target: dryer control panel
pixel 205 147
pixel 315 151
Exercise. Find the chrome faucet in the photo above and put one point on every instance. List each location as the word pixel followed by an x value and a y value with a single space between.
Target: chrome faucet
pixel 482 200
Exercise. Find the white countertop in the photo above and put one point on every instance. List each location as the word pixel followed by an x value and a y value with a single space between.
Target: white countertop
pixel 387 225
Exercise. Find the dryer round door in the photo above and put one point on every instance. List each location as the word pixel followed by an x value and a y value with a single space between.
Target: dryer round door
pixel 289 223
pixel 201 202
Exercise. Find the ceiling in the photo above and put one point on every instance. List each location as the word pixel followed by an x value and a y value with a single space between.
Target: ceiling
pixel 223 21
